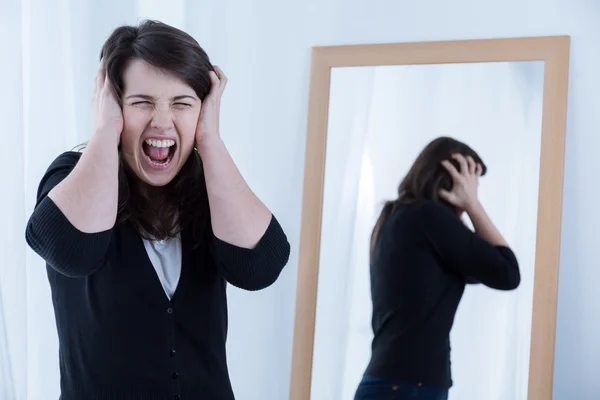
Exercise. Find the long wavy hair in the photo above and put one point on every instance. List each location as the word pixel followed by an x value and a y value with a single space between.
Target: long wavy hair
pixel 159 213
pixel 427 177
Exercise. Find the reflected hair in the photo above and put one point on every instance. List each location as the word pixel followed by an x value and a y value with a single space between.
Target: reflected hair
pixel 159 213
pixel 426 178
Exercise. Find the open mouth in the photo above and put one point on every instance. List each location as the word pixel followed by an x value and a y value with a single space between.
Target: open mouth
pixel 159 152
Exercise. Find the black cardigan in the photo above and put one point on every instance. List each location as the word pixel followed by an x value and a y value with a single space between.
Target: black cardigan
pixel 423 258
pixel 119 335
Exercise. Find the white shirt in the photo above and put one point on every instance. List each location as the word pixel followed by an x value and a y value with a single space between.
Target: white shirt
pixel 165 256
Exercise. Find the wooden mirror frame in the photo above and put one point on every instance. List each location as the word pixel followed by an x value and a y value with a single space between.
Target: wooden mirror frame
pixel 554 51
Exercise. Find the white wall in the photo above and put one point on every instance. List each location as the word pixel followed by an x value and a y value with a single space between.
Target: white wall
pixel 264 48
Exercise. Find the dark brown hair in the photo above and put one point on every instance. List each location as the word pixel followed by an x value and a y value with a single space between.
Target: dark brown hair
pixel 427 177
pixel 159 213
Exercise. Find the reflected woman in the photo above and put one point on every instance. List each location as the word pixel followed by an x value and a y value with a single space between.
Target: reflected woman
pixel 422 255
pixel 144 228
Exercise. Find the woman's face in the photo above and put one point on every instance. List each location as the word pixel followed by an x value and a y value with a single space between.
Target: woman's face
pixel 160 114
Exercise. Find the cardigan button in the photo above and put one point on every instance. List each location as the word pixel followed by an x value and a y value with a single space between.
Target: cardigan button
pixel 177 397
pixel 175 375
pixel 173 353
pixel 169 310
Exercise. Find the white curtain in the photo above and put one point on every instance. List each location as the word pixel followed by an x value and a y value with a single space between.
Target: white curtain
pixel 495 108
pixel 350 115
pixel 50 54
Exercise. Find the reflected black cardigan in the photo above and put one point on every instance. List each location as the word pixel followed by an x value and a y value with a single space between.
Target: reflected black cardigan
pixel 120 337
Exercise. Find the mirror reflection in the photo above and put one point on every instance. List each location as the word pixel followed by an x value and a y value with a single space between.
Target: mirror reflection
pixel 428 235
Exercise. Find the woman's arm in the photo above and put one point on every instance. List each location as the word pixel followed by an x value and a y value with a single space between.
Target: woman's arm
pixel 483 256
pixel 467 253
pixel 237 215
pixel 51 233
pixel 483 225
pixel 249 245
pixel 88 195
pixel 78 196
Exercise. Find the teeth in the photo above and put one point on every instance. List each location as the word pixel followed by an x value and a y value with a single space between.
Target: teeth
pixel 160 143
pixel 160 163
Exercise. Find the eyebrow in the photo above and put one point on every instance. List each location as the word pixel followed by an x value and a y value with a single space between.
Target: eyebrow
pixel 174 98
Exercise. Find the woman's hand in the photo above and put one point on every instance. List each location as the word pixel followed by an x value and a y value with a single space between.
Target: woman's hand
pixel 208 121
pixel 108 115
pixel 464 196
pixel 464 189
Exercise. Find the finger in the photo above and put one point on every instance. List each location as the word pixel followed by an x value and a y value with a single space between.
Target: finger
pixel 100 76
pixel 96 84
pixel 446 195
pixel 451 169
pixel 214 84
pixel 101 73
pixel 220 75
pixel 472 165
pixel 214 78
pixel 108 90
pixel 105 88
pixel 462 161
pixel 479 170
pixel 102 66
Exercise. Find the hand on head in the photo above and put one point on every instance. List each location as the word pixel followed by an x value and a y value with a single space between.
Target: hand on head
pixel 465 182
pixel 108 115
pixel 208 122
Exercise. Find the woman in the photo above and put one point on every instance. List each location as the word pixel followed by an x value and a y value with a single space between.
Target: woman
pixel 142 230
pixel 422 255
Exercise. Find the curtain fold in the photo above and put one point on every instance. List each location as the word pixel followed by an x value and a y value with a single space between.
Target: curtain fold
pixel 7 389
pixel 13 316
pixel 349 114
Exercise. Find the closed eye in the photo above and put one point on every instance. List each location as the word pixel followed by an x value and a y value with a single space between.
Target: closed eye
pixel 147 103
pixel 138 103
pixel 182 105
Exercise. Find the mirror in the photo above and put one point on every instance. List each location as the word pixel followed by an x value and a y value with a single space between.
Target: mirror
pixel 380 118
pixel 368 122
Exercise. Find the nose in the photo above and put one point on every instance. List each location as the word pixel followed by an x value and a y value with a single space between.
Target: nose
pixel 162 120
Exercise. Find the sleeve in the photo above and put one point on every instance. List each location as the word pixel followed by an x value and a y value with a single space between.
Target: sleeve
pixel 257 268
pixel 466 253
pixel 50 234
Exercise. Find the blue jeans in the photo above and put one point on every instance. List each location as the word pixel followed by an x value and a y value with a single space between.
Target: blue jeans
pixel 371 388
